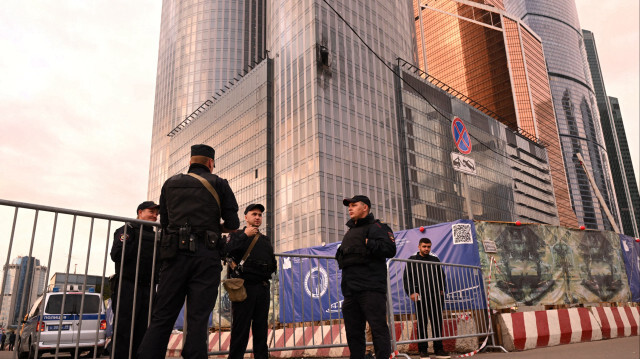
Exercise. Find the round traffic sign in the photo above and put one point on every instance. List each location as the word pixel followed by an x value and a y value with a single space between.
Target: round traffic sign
pixel 461 136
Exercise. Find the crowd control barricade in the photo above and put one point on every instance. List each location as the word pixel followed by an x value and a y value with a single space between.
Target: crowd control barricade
pixel 451 296
pixel 53 251
pixel 305 316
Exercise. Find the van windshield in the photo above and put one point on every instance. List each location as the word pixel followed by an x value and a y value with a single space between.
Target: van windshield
pixel 72 304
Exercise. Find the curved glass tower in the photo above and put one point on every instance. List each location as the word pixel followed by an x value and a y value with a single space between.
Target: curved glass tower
pixel 574 100
pixel 204 44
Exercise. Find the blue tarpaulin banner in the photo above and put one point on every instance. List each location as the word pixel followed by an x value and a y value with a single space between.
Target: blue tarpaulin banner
pixel 631 256
pixel 310 287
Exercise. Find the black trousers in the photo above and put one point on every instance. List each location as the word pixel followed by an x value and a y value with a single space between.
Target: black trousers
pixel 196 278
pixel 252 314
pixel 429 308
pixel 359 308
pixel 124 307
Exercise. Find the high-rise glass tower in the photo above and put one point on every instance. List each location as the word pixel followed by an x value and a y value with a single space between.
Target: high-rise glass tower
pixel 574 100
pixel 335 124
pixel 323 118
pixel 23 282
pixel 611 138
pixel 483 54
pixel 203 45
pixel 625 160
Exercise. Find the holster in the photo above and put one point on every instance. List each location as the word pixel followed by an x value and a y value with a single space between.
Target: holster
pixel 168 245
pixel 211 239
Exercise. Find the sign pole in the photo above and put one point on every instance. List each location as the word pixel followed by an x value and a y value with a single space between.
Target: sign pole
pixel 467 194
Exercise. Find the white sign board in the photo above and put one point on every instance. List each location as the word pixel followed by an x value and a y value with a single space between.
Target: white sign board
pixel 463 163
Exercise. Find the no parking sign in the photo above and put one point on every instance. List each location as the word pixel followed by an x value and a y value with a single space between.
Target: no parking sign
pixel 461 136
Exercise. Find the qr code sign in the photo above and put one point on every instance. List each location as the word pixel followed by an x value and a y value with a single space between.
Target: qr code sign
pixel 461 234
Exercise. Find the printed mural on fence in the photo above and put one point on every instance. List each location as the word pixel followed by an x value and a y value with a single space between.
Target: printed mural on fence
pixel 545 265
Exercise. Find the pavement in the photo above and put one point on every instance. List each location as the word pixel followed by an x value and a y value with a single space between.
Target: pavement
pixel 619 348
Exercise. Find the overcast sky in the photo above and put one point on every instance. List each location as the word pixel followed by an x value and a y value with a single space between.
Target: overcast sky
pixel 77 86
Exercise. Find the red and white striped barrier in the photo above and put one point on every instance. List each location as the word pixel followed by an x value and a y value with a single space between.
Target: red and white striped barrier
pixel 291 337
pixel 407 330
pixel 617 321
pixel 529 330
pixel 312 336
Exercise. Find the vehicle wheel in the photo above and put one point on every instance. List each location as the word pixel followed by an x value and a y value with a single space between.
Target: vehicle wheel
pixel 21 354
pixel 32 352
pixel 90 353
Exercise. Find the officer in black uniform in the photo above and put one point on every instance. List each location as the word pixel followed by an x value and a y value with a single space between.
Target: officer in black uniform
pixel 256 271
pixel 362 258
pixel 190 214
pixel 133 243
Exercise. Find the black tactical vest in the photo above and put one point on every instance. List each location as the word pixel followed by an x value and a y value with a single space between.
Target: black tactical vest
pixel 260 263
pixel 188 201
pixel 354 249
pixel 146 255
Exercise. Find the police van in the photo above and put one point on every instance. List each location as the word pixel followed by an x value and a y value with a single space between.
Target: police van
pixel 83 325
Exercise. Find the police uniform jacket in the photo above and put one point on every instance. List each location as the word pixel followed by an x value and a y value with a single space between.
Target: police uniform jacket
pixel 260 264
pixel 132 239
pixel 184 200
pixel 363 262
pixel 426 280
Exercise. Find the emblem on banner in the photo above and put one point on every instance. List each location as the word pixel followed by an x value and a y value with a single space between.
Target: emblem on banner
pixel 316 282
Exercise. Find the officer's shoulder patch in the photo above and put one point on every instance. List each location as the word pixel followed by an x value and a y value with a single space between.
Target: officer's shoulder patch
pixel 124 237
pixel 391 237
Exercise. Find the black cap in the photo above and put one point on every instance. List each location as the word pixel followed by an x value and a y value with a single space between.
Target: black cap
pixel 146 205
pixel 203 150
pixel 253 206
pixel 358 198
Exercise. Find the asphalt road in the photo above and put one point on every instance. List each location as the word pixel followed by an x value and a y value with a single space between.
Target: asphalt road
pixel 620 348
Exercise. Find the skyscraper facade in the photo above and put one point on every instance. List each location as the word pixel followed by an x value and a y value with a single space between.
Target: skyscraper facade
pixel 575 104
pixel 323 118
pixel 611 138
pixel 24 280
pixel 335 121
pixel 203 45
pixel 511 181
pixel 625 159
pixel 491 59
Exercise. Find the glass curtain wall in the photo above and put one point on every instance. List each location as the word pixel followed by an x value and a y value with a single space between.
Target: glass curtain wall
pixel 578 121
pixel 203 45
pixel 335 124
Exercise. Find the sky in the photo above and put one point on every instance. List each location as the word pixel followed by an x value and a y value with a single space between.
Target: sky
pixel 77 87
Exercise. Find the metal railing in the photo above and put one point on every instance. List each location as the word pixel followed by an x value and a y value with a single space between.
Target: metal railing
pixel 60 235
pixel 305 298
pixel 449 299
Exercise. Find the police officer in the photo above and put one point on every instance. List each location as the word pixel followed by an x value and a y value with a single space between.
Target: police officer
pixel 256 271
pixel 362 258
pixel 192 206
pixel 127 259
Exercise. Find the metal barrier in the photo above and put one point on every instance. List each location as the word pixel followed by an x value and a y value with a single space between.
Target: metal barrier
pixel 449 297
pixel 305 304
pixel 59 235
pixel 288 337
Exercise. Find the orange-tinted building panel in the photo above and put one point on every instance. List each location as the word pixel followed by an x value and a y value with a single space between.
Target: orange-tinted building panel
pixel 500 67
pixel 547 124
pixel 464 47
